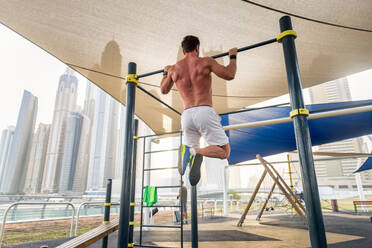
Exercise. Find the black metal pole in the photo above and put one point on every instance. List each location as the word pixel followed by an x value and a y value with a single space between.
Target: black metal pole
pixel 194 216
pixel 133 184
pixel 123 232
pixel 106 217
pixel 301 127
pixel 263 43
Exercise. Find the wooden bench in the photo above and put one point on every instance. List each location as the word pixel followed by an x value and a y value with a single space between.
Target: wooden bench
pixel 361 203
pixel 92 236
pixel 207 208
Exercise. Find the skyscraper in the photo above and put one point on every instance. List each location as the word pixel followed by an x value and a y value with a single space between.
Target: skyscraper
pixel 65 103
pixel 6 142
pixel 103 141
pixel 36 162
pixel 74 124
pixel 81 169
pixel 337 173
pixel 16 165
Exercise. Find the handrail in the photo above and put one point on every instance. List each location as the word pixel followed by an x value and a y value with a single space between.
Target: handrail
pixel 84 204
pixel 35 203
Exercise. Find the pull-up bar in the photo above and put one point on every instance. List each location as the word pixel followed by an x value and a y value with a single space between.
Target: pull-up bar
pixel 263 43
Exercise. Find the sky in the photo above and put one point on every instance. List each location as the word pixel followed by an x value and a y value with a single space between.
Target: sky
pixel 25 66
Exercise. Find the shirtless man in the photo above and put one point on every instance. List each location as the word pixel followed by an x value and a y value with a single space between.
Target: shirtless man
pixel 192 76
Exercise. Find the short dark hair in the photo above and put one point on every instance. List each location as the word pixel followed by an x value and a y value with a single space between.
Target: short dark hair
pixel 190 43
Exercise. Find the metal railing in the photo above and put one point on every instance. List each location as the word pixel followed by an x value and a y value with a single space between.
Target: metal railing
pixel 34 203
pixel 87 203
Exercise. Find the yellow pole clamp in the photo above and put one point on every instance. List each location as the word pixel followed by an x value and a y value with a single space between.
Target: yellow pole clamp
pixel 107 204
pixel 135 137
pixel 105 222
pixel 130 244
pixel 297 112
pixel 131 223
pixel 133 204
pixel 132 78
pixel 286 33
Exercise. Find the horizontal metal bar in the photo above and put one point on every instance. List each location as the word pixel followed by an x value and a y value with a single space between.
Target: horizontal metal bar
pixel 263 43
pixel 297 161
pixel 165 150
pixel 164 168
pixel 152 246
pixel 162 206
pixel 151 73
pixel 157 135
pixel 164 187
pixel 165 226
pixel 288 119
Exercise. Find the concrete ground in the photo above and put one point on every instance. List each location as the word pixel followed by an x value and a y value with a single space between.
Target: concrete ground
pixel 274 231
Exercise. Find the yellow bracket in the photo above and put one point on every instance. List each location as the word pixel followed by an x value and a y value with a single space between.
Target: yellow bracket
pixel 131 223
pixel 107 204
pixel 132 78
pixel 297 112
pixel 130 244
pixel 105 222
pixel 286 33
pixel 133 204
pixel 135 137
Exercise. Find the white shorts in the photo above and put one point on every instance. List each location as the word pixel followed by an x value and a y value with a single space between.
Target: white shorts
pixel 202 121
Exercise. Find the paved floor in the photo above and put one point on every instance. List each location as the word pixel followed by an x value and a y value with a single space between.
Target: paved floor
pixel 343 230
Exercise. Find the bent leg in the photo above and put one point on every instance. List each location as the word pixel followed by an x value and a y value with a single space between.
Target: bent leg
pixel 221 152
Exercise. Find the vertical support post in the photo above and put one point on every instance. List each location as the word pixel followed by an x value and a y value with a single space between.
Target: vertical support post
pixel 225 191
pixel 194 216
pixel 123 232
pixel 359 184
pixel 303 141
pixel 133 185
pixel 290 179
pixel 106 217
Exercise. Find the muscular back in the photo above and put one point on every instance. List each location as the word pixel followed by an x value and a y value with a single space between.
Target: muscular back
pixel 192 77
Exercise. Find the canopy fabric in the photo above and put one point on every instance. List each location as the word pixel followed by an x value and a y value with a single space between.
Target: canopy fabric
pixel 103 36
pixel 278 138
pixel 367 165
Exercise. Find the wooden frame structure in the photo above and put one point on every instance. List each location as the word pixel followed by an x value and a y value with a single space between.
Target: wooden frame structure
pixel 282 185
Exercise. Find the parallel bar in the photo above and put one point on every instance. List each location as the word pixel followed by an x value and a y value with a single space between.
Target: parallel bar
pixel 311 116
pixel 303 141
pixel 263 43
pixel 165 150
pixel 165 226
pixel 133 182
pixel 123 232
pixel 158 135
pixel 164 168
pixel 107 209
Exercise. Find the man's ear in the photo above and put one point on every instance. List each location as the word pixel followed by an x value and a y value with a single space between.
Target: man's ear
pixel 183 51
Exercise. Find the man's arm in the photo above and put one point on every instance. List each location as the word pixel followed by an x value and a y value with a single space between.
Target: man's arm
pixel 225 72
pixel 167 81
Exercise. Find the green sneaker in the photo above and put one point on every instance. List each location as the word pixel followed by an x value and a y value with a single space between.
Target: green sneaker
pixel 184 157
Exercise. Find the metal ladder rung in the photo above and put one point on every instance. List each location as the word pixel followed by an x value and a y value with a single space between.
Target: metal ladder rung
pixel 165 226
pixel 163 206
pixel 166 150
pixel 152 246
pixel 165 187
pixel 164 168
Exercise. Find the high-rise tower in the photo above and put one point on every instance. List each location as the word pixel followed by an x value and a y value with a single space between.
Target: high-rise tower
pixel 16 164
pixel 65 103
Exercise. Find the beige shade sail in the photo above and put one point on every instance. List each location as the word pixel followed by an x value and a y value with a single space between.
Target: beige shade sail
pixel 98 39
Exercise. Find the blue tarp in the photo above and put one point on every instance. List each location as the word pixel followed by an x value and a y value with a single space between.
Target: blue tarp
pixel 278 138
pixel 366 166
